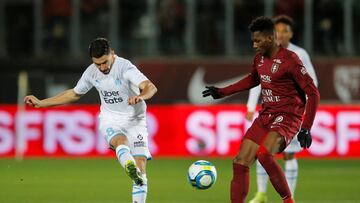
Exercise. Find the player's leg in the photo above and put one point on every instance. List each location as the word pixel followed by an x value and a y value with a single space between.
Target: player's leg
pixel 291 164
pixel 121 145
pixel 241 163
pixel 138 139
pixel 261 180
pixel 139 192
pixel 274 143
pixel 291 171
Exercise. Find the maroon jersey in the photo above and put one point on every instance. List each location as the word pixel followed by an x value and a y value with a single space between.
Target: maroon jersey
pixel 282 80
pixel 284 83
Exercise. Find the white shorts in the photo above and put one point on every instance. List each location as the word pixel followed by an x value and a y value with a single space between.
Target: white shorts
pixel 135 131
pixel 294 146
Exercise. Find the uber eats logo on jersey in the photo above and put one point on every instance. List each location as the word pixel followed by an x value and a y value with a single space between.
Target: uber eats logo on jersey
pixel 111 97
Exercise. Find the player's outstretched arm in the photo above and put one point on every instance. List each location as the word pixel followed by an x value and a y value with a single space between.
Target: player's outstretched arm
pixel 148 89
pixel 212 91
pixel 64 97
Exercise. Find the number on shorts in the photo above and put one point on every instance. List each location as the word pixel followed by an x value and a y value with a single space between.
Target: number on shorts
pixel 110 131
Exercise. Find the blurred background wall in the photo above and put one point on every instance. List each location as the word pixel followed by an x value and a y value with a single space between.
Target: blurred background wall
pixel 177 43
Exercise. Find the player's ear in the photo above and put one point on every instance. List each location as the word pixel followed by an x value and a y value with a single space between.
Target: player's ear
pixel 291 34
pixel 270 38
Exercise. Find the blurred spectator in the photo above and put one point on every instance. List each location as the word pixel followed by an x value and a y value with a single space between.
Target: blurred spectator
pixel 94 20
pixel 328 23
pixel 19 29
pixel 244 12
pixel 91 7
pixel 171 19
pixel 356 28
pixel 130 13
pixel 56 21
pixel 210 26
pixel 294 9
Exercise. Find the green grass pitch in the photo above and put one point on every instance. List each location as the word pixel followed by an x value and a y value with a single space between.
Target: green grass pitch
pixel 103 181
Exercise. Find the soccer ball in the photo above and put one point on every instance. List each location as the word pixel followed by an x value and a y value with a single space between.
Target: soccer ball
pixel 202 174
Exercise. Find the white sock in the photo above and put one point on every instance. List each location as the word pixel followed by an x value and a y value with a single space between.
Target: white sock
pixel 123 155
pixel 291 173
pixel 261 177
pixel 139 192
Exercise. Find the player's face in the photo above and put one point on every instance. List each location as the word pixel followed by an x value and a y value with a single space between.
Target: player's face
pixel 261 42
pixel 104 63
pixel 283 34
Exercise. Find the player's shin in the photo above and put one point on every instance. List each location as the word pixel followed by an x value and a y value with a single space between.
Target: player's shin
pixel 123 155
pixel 275 173
pixel 261 177
pixel 239 184
pixel 127 161
pixel 139 193
pixel 291 173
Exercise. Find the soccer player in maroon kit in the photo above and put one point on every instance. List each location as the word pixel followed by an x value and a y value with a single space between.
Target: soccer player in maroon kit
pixel 284 83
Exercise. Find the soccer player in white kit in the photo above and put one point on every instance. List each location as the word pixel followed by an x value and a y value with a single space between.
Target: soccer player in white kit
pixel 284 32
pixel 122 112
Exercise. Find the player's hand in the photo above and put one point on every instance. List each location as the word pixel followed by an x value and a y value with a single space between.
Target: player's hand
pixel 134 100
pixel 249 115
pixel 304 137
pixel 212 91
pixel 32 101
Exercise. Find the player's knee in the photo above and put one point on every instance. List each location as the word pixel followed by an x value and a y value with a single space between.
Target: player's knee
pixel 275 148
pixel 243 160
pixel 263 154
pixel 118 140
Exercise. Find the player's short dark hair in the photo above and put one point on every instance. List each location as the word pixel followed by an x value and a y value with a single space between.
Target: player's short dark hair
pixel 99 47
pixel 284 19
pixel 262 24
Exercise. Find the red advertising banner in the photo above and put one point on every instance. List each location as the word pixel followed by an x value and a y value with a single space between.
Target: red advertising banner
pixel 174 130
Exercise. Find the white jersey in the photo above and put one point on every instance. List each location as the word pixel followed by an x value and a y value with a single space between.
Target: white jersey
pixel 305 59
pixel 114 89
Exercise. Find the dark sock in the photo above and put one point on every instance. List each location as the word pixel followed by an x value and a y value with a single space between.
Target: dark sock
pixel 276 174
pixel 239 183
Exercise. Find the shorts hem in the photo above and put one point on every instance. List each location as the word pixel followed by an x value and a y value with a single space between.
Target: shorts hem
pixel 147 157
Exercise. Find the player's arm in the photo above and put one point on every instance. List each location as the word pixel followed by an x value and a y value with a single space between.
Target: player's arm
pixel 148 89
pixel 306 83
pixel 249 81
pixel 303 79
pixel 253 99
pixel 305 59
pixel 137 78
pixel 64 97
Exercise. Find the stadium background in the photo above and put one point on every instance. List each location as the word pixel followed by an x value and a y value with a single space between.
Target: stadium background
pixel 56 155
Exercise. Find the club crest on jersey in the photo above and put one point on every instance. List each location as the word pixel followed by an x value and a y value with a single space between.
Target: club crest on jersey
pixel 274 67
pixel 117 82
pixel 278 119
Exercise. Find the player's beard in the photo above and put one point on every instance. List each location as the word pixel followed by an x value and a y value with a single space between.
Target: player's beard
pixel 107 71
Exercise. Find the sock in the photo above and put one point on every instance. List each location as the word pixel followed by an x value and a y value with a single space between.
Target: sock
pixel 289 200
pixel 139 192
pixel 239 184
pixel 261 177
pixel 291 173
pixel 123 155
pixel 275 172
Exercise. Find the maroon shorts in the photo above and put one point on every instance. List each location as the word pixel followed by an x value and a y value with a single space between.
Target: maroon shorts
pixel 286 125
